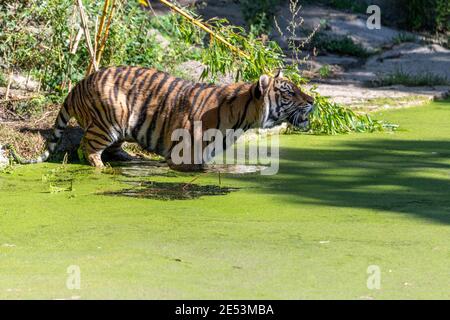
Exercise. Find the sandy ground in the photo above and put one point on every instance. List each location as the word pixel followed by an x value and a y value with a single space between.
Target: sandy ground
pixel 338 205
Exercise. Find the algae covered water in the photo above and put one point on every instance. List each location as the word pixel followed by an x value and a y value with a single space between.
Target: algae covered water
pixel 339 206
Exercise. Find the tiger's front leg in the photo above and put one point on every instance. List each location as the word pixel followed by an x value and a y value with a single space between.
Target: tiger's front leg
pixel 92 154
pixel 94 143
pixel 183 158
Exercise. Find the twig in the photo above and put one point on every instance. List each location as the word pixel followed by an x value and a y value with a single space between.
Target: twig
pixel 186 185
pixel 96 30
pixel 15 114
pixel 296 21
pixel 77 41
pixel 147 3
pixel 106 34
pixel 87 35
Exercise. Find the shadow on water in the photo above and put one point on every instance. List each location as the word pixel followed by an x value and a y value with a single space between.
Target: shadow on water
pixel 399 176
pixel 172 190
pixel 169 190
pixel 402 176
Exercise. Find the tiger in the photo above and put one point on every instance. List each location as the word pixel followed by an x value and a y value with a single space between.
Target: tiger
pixel 143 105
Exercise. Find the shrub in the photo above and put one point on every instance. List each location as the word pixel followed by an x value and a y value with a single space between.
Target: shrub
pixel 3 81
pixel 353 6
pixel 412 80
pixel 35 39
pixel 343 45
pixel 433 15
pixel 259 14
pixel 332 118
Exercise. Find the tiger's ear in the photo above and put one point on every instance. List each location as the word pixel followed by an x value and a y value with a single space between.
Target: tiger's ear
pixel 279 73
pixel 264 82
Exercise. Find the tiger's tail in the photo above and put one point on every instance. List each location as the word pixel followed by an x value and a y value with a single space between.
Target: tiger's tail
pixel 60 125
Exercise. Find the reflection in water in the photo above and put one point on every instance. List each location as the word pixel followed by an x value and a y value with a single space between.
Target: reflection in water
pixel 141 168
pixel 172 190
pixel 235 169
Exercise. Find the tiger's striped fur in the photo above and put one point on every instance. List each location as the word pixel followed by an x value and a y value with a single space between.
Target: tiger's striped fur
pixel 142 105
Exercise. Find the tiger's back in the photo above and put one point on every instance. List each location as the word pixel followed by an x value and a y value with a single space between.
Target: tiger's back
pixel 143 105
pixel 126 104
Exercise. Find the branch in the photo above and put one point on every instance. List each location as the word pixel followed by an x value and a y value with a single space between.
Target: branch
pixel 87 35
pixel 201 26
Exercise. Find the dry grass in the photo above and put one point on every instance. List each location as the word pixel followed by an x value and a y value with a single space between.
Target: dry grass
pixel 24 132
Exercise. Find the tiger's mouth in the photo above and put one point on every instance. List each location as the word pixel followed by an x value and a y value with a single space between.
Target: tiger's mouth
pixel 300 118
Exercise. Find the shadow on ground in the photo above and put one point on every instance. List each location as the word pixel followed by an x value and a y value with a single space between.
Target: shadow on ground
pixel 408 177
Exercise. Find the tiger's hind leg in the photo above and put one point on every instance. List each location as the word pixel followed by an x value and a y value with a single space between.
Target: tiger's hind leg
pixel 94 142
pixel 116 153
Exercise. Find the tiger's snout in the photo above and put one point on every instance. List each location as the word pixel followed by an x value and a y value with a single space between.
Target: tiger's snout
pixel 300 119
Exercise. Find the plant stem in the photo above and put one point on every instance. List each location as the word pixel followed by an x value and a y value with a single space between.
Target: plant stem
pixel 85 27
pixel 99 33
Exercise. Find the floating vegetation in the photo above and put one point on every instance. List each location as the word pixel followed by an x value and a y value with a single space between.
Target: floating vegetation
pixel 237 169
pixel 170 190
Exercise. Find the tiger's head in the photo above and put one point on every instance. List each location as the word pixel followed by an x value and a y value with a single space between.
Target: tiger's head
pixel 284 101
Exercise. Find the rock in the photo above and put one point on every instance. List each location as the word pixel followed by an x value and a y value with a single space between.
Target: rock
pixel 192 70
pixel 229 9
pixel 4 161
pixel 22 82
pixel 158 8
pixel 255 134
pixel 337 23
pixel 372 99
